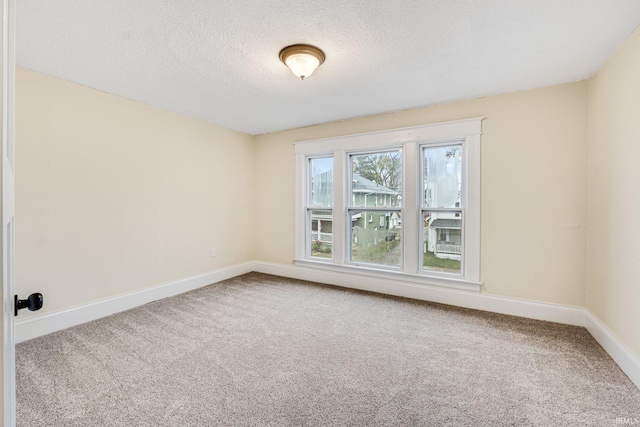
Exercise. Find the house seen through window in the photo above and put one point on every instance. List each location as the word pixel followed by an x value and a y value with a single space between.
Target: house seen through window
pixel 376 193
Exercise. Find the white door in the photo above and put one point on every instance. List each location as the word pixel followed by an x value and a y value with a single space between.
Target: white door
pixel 7 210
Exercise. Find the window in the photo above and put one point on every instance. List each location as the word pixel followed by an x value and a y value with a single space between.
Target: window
pixel 319 208
pixel 376 185
pixel 442 167
pixel 402 203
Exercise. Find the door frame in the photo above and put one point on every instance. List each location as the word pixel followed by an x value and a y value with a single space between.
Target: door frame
pixel 7 176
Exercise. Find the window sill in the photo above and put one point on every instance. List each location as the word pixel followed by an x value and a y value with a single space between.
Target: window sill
pixel 413 278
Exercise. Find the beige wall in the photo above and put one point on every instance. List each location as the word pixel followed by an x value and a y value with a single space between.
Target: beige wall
pixel 114 196
pixel 534 174
pixel 613 290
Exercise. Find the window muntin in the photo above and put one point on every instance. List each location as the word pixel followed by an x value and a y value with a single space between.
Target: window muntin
pixel 321 195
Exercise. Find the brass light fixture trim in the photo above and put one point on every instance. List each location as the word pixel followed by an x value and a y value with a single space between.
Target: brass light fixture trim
pixel 302 59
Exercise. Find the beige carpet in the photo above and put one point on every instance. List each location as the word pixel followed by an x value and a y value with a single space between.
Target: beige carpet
pixel 262 350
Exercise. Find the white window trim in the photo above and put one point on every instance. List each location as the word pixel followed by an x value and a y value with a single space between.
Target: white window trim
pixel 410 139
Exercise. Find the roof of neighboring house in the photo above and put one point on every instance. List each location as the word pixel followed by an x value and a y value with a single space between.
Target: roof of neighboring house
pixel 364 185
pixel 446 223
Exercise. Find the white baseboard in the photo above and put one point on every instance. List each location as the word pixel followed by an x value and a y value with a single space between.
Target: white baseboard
pixel 626 359
pixel 517 307
pixel 56 321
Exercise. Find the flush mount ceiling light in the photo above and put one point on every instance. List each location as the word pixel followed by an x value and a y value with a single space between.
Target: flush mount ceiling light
pixel 302 59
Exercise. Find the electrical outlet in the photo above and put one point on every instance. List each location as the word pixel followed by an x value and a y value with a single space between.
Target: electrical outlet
pixel 213 252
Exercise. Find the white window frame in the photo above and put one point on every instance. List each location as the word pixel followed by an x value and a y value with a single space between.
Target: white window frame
pixel 411 140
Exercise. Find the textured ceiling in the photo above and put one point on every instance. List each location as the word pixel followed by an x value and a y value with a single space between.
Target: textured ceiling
pixel 218 60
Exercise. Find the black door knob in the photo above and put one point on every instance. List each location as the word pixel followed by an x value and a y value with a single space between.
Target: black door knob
pixel 33 303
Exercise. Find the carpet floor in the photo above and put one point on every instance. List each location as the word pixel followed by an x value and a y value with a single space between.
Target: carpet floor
pixel 262 350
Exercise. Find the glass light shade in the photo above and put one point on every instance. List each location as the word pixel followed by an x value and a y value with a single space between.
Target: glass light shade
pixel 302 59
pixel 302 65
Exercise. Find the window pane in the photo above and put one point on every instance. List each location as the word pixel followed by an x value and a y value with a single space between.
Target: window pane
pixel 376 237
pixel 376 179
pixel 442 249
pixel 321 234
pixel 321 182
pixel 442 176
